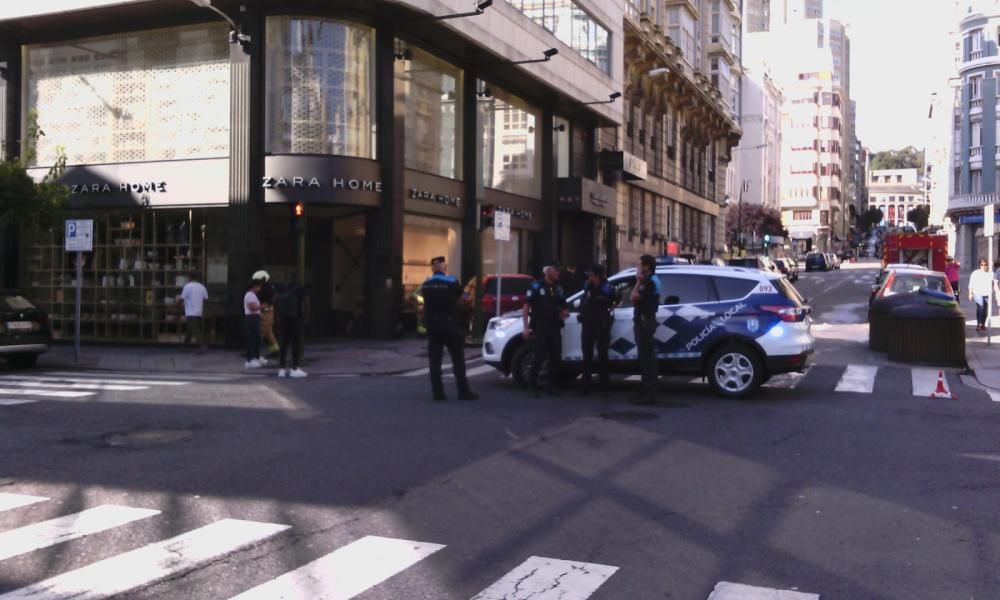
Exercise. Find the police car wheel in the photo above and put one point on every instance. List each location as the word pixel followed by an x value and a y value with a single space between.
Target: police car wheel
pixel 735 371
pixel 520 366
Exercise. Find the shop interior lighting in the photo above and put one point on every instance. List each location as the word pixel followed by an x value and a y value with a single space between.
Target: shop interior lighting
pixel 481 7
pixel 235 35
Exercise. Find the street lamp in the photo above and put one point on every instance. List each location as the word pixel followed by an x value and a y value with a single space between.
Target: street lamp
pixel 235 35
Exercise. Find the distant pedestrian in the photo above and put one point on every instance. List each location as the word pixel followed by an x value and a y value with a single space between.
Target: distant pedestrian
pixel 269 343
pixel 645 301
pixel 543 313
pixel 194 295
pixel 980 285
pixel 951 269
pixel 251 312
pixel 596 316
pixel 441 293
pixel 291 309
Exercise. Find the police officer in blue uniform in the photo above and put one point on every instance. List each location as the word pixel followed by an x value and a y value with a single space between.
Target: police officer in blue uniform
pixel 599 299
pixel 543 313
pixel 645 301
pixel 441 292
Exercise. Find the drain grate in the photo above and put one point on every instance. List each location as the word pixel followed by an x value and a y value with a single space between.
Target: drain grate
pixel 629 415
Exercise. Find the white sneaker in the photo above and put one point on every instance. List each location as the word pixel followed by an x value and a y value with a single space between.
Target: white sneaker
pixel 262 361
pixel 282 373
pixel 253 364
pixel 297 373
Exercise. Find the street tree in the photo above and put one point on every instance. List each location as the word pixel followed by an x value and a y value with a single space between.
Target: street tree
pixel 25 203
pixel 749 219
pixel 871 217
pixel 919 216
pixel 907 158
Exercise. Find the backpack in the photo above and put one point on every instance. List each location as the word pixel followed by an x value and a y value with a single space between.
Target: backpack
pixel 287 303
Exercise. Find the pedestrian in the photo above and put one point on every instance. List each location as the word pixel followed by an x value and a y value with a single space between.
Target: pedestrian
pixel 266 296
pixel 980 284
pixel 194 294
pixel 951 269
pixel 251 314
pixel 292 309
pixel 441 293
pixel 596 315
pixel 645 301
pixel 543 313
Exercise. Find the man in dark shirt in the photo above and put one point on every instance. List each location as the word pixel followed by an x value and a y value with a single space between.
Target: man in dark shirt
pixel 543 313
pixel 441 292
pixel 645 301
pixel 598 302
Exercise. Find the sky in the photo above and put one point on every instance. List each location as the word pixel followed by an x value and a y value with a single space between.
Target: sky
pixel 900 53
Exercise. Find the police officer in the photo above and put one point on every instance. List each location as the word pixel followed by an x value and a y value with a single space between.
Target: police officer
pixel 543 314
pixel 645 300
pixel 599 300
pixel 441 291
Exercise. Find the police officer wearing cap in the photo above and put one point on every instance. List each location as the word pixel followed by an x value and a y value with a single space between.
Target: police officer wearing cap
pixel 645 301
pixel 441 292
pixel 543 313
pixel 598 302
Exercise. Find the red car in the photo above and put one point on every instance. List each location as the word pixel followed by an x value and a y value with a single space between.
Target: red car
pixel 513 288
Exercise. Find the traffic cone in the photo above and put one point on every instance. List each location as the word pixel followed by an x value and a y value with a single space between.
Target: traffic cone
pixel 942 390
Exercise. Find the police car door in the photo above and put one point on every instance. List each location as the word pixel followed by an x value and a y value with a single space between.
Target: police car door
pixel 622 335
pixel 572 347
pixel 685 317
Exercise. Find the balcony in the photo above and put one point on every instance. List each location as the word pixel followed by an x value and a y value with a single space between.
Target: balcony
pixel 719 45
pixel 976 54
pixel 690 5
pixel 632 12
pixel 976 103
pixel 976 152
pixel 963 202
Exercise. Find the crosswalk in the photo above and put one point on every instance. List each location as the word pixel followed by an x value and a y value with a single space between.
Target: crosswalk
pixel 17 389
pixel 474 367
pixel 347 572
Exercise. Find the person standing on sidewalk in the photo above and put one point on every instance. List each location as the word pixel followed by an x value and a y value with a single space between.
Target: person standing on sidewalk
pixel 266 296
pixel 194 295
pixel 292 313
pixel 980 284
pixel 951 269
pixel 251 314
pixel 646 300
pixel 441 292
pixel 543 313
pixel 596 316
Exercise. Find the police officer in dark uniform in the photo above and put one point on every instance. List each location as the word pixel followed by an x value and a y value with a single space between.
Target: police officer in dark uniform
pixel 441 292
pixel 598 302
pixel 645 300
pixel 543 313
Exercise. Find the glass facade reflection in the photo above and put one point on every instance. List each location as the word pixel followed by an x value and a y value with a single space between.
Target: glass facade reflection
pixel 431 90
pixel 320 80
pixel 510 144
pixel 572 26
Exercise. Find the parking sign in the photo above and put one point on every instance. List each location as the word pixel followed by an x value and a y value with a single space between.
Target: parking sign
pixel 79 235
pixel 501 226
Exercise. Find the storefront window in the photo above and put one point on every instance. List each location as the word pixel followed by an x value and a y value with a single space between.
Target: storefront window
pixel 320 88
pixel 501 257
pixel 510 144
pixel 431 90
pixel 145 96
pixel 423 239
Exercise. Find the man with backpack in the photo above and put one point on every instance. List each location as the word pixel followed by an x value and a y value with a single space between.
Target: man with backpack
pixel 292 308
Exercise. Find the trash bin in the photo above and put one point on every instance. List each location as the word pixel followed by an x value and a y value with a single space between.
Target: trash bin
pixel 932 332
pixel 878 318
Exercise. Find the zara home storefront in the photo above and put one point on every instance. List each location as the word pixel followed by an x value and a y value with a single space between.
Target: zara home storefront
pixel 399 136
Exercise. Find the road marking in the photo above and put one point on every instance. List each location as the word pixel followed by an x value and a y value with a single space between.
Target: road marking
pixel 858 378
pixel 925 382
pixel 16 401
pixel 972 382
pixel 92 380
pixel 12 501
pixel 785 381
pixel 149 564
pixel 417 372
pixel 129 377
pixel 63 529
pixel 540 578
pixel 737 591
pixel 480 370
pixel 45 393
pixel 345 572
pixel 634 378
pixel 77 386
pixel 444 367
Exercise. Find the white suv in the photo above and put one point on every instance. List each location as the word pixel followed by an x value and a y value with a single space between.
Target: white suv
pixel 733 325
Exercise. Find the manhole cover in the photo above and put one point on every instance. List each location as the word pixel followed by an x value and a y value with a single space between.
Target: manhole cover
pixel 629 415
pixel 147 438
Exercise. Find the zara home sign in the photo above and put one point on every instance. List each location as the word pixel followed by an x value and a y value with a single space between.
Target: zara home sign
pixel 337 183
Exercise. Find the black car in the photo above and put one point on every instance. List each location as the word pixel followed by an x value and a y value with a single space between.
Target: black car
pixel 817 262
pixel 24 330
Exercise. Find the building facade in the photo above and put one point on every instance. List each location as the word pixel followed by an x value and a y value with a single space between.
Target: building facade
pixel 896 192
pixel 765 15
pixel 680 124
pixel 397 133
pixel 757 178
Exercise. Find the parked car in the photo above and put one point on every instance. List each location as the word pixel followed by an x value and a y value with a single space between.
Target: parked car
pixel 513 288
pixel 789 267
pixel 735 326
pixel 24 330
pixel 909 281
pixel 817 261
pixel 833 260
pixel 762 263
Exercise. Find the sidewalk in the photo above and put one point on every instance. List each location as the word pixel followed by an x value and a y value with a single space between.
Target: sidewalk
pixel 326 357
pixel 983 357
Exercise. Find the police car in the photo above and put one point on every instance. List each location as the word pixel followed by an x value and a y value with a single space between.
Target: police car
pixel 735 326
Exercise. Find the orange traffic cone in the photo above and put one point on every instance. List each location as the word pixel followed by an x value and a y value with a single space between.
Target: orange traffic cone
pixel 942 391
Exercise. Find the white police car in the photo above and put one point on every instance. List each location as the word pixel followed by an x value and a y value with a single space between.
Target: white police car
pixel 733 325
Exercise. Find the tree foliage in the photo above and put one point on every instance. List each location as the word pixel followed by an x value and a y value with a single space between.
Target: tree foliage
pixel 907 158
pixel 755 218
pixel 871 217
pixel 919 216
pixel 23 202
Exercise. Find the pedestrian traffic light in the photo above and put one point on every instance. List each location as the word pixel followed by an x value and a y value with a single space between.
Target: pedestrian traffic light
pixel 300 210
pixel 298 217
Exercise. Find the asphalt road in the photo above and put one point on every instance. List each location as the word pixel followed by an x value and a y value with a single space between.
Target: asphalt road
pixel 872 494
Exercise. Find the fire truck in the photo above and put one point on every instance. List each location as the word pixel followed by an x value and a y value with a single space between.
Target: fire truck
pixel 927 249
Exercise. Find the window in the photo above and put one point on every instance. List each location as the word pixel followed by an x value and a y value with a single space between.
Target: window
pixel 977 181
pixel 686 289
pixel 510 144
pixel 977 134
pixel 975 87
pixel 802 215
pixel 433 120
pixel 624 287
pixel 572 26
pixel 731 288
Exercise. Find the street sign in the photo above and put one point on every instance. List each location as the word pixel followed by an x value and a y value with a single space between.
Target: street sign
pixel 501 226
pixel 79 235
pixel 989 224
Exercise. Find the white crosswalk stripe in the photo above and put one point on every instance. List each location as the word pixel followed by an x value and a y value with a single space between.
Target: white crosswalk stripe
pixel 858 378
pixel 70 527
pixel 540 578
pixel 13 391
pixel 475 371
pixel 18 389
pixel 12 501
pixel 345 572
pixel 448 367
pixel 725 590
pixel 93 380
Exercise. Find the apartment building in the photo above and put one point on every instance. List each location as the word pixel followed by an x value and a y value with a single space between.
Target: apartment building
pixel 763 15
pixel 757 160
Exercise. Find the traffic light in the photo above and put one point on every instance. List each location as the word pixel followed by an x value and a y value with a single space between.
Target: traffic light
pixel 298 217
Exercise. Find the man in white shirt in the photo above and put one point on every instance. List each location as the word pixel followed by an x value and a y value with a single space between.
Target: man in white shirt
pixel 251 312
pixel 194 296
pixel 980 285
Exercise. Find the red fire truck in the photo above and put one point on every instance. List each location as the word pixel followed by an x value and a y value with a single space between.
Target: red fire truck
pixel 927 249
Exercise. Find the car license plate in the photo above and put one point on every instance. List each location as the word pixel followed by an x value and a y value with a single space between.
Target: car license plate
pixel 20 325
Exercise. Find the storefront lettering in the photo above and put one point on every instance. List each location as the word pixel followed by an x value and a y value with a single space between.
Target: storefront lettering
pixel 337 183
pixel 432 197
pixel 124 187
